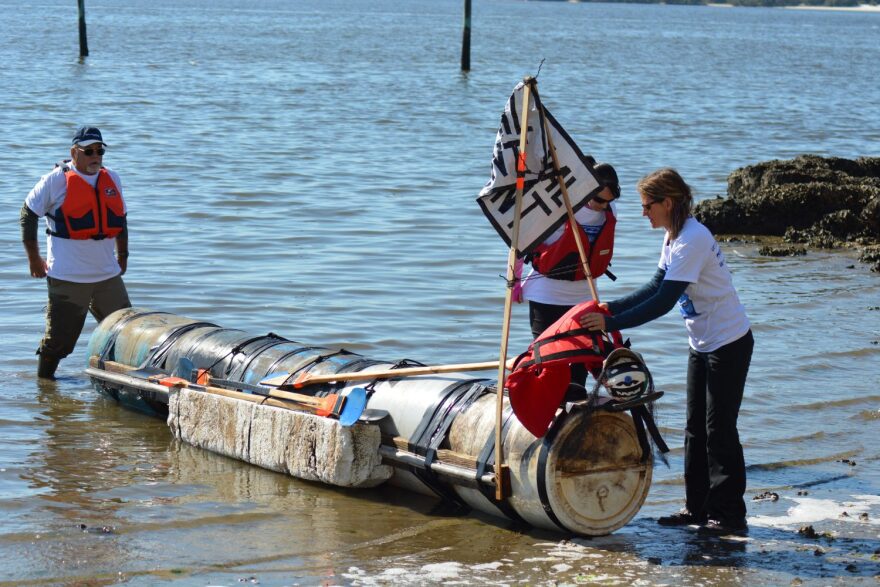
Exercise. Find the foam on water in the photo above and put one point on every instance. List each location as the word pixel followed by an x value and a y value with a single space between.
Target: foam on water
pixel 808 510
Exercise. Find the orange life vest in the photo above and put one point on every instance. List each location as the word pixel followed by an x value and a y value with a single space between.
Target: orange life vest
pixel 560 260
pixel 89 212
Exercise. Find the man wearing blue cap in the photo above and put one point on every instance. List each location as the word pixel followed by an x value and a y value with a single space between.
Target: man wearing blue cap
pixel 87 245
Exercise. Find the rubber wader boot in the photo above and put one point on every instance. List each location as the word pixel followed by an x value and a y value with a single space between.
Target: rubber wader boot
pixel 46 366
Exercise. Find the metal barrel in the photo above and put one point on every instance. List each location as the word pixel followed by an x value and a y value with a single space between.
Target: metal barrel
pixel 589 475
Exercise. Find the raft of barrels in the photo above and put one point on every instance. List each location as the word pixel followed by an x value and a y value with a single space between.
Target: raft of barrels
pixel 432 434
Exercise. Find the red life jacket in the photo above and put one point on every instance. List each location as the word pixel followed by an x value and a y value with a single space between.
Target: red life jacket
pixel 541 375
pixel 89 212
pixel 561 260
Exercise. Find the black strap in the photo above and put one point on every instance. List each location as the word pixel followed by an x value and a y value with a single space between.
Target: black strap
pixel 271 340
pixel 238 348
pixel 312 363
pixel 157 354
pixel 108 352
pixel 459 404
pixel 570 354
pixel 434 428
pixel 289 354
pixel 643 419
pixel 358 364
pixel 640 433
pixel 543 494
pixel 486 458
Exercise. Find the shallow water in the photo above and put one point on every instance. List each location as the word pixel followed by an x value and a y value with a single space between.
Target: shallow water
pixel 310 169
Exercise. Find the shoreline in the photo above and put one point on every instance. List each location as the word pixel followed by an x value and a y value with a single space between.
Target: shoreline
pixel 860 8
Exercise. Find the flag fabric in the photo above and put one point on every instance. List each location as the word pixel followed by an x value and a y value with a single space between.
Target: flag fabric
pixel 543 208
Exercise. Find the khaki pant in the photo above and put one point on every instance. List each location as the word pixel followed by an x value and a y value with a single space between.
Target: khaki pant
pixel 66 313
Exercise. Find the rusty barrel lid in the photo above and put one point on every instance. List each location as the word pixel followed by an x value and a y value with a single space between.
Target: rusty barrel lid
pixel 595 479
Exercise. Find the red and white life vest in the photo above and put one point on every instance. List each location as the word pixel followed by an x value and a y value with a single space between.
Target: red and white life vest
pixel 560 260
pixel 542 374
pixel 566 341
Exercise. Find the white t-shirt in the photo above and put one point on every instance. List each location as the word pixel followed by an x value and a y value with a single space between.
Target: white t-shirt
pixel 710 306
pixel 80 261
pixel 561 292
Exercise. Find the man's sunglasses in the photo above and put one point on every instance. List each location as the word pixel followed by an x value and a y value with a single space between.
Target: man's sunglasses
pixel 90 152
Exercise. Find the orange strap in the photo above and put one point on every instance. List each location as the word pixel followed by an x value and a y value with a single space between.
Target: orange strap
pixel 521 172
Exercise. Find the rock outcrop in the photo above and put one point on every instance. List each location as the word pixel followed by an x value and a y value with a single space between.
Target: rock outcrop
pixel 822 202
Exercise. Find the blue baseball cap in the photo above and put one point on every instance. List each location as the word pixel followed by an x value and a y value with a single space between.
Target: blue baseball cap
pixel 88 135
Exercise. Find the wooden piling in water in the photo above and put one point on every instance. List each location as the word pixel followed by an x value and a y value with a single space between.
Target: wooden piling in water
pixel 466 38
pixel 83 40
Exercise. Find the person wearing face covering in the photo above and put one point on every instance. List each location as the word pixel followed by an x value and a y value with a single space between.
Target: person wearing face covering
pixel 556 281
pixel 87 245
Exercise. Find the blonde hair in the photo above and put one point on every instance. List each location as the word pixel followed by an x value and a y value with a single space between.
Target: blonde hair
pixel 667 183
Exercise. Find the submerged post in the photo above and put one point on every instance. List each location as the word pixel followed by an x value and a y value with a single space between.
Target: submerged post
pixel 465 38
pixel 83 41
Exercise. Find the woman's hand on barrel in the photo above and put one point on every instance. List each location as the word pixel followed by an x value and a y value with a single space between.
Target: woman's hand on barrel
pixel 593 320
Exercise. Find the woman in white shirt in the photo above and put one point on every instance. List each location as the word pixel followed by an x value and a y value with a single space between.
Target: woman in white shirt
pixel 692 272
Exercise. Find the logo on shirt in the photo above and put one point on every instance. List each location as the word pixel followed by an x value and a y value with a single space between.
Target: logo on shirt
pixel 686 306
pixel 592 230
pixel 110 192
pixel 719 256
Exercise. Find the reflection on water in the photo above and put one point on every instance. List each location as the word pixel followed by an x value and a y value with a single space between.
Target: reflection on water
pixel 310 169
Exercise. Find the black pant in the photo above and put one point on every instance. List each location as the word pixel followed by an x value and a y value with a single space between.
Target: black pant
pixel 541 317
pixel 714 466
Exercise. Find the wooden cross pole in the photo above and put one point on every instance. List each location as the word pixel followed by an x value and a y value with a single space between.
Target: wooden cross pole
pixel 502 473
pixel 574 225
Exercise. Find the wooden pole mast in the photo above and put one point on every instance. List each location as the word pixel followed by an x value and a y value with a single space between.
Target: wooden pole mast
pixel 502 480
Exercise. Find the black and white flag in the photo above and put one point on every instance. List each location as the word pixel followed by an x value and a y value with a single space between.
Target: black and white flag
pixel 543 209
